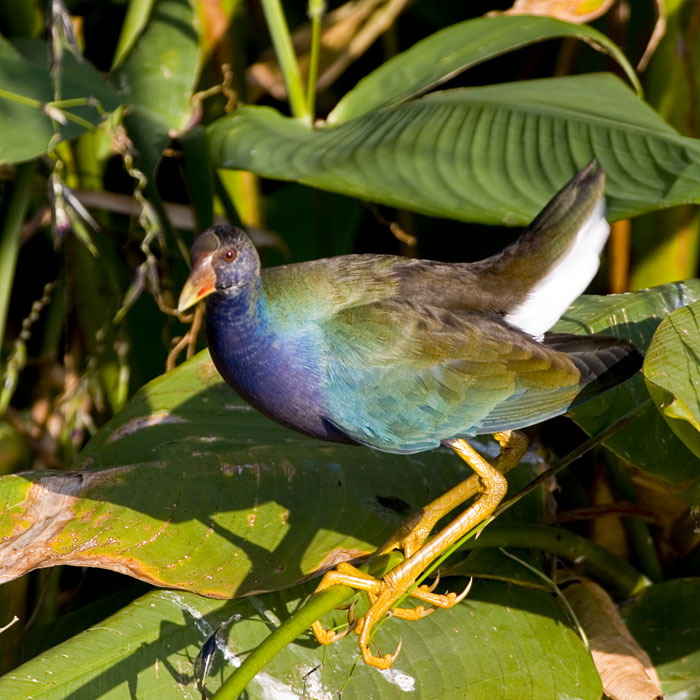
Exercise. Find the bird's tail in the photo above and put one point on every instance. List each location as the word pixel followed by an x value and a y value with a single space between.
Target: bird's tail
pixel 554 259
pixel 603 360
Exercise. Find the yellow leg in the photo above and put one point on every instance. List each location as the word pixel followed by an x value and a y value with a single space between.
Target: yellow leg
pixel 411 534
pixel 491 486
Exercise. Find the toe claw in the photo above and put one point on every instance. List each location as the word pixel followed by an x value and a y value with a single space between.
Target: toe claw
pixel 459 598
pixel 392 657
pixel 326 637
pixel 434 584
pixel 380 662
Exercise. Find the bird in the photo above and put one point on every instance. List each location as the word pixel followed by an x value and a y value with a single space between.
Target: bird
pixel 404 355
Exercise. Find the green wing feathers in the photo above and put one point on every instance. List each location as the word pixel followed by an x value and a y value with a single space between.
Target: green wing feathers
pixel 407 375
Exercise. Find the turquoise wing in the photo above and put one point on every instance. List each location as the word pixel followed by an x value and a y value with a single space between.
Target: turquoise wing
pixel 401 376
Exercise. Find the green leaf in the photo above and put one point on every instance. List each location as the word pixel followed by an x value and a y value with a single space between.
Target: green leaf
pixel 25 130
pixel 663 619
pixel 500 640
pixel 324 224
pixel 135 20
pixel 647 442
pixel 447 53
pixel 672 373
pixel 158 77
pixel 199 491
pixel 494 154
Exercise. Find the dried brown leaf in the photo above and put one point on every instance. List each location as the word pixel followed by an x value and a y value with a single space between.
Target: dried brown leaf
pixel 625 668
pixel 45 513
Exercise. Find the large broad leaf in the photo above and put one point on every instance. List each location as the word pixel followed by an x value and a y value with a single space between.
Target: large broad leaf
pixel 158 77
pixel 499 641
pixel 672 373
pixel 647 442
pixel 664 621
pixel 494 154
pixel 450 51
pixel 25 130
pixel 191 488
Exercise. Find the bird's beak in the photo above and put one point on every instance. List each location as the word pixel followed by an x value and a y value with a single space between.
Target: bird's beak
pixel 200 283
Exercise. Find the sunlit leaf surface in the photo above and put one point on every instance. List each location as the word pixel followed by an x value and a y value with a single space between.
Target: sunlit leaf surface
pixel 501 642
pixel 452 50
pixel 672 373
pixel 494 154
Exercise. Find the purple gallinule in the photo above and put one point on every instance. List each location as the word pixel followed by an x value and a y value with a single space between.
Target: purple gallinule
pixel 404 355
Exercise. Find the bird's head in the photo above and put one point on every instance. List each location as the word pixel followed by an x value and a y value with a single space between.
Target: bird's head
pixel 224 259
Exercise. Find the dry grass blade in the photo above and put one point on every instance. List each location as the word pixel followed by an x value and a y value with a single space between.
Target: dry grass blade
pixel 656 35
pixel 347 33
pixel 625 669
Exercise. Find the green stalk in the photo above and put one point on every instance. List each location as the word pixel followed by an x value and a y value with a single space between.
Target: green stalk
pixel 590 557
pixel 622 422
pixel 557 592
pixel 316 10
pixel 294 626
pixel 282 41
pixel 286 633
pixel 9 236
pixel 55 109
pixel 564 462
pixel 637 530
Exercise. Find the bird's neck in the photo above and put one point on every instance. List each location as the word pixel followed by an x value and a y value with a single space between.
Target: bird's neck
pixel 242 340
pixel 238 326
pixel 277 370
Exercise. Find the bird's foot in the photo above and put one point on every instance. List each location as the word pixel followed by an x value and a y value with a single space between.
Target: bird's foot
pixel 436 600
pixel 384 593
pixel 345 575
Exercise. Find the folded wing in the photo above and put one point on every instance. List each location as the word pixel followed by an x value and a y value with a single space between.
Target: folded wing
pixel 401 376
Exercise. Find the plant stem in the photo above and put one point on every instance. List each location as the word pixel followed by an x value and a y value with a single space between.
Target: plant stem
pixel 616 427
pixel 316 10
pixel 294 626
pixel 637 530
pixel 9 236
pixel 55 109
pixel 563 543
pixel 557 591
pixel 286 633
pixel 565 461
pixel 282 41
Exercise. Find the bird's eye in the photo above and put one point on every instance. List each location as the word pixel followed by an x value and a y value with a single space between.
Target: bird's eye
pixel 230 255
